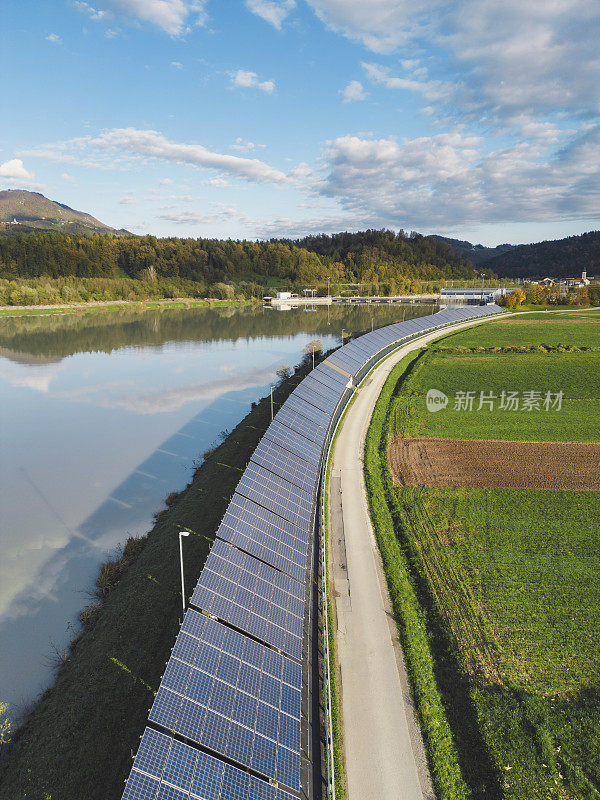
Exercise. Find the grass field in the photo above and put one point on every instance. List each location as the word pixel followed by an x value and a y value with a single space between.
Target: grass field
pixel 576 375
pixel 507 580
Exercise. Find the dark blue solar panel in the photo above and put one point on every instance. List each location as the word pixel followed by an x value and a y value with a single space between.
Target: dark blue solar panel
pixel 266 536
pixel 276 494
pixel 294 442
pixel 305 427
pixel 231 695
pixel 335 387
pixel 166 768
pixel 315 398
pixel 301 406
pixel 252 596
pixel 287 465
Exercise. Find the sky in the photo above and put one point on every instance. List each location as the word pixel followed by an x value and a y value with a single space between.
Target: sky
pixel 266 118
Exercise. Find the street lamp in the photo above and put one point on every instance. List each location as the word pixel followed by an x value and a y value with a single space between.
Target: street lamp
pixel 343 334
pixel 482 277
pixel 181 535
pixel 272 402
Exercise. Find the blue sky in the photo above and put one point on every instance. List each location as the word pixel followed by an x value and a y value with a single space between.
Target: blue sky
pixel 257 118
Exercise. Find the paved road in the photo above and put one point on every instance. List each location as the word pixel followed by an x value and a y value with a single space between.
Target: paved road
pixel 384 752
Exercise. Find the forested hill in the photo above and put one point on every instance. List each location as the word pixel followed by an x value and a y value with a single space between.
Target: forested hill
pixel 383 246
pixel 24 211
pixel 369 257
pixel 562 258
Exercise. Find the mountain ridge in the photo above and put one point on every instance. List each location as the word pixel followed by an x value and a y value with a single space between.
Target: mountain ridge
pixel 22 211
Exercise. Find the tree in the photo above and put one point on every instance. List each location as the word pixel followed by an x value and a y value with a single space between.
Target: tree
pixel 283 372
pixel 5 731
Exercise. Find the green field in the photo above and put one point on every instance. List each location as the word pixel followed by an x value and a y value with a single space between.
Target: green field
pixel 507 580
pixel 575 374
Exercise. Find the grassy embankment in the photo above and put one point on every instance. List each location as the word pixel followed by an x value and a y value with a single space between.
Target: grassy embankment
pixel 115 305
pixel 79 738
pixel 496 591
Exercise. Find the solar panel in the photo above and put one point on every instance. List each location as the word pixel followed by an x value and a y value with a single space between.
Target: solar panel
pixel 167 768
pixel 289 439
pixel 234 696
pixel 331 374
pixel 310 430
pixel 306 409
pixel 287 465
pixel 277 494
pixel 317 382
pixel 266 536
pixel 315 398
pixel 335 387
pixel 312 384
pixel 253 597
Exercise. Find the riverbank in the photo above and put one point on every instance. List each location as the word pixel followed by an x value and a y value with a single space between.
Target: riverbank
pixel 108 305
pixel 77 741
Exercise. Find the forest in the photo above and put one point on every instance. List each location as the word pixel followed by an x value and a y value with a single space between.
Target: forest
pixel 366 257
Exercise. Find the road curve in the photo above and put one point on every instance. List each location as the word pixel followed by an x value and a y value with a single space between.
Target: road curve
pixel 384 752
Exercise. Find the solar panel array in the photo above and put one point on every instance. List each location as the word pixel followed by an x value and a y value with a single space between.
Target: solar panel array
pixel 227 721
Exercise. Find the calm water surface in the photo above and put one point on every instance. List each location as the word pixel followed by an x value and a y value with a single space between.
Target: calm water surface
pixel 101 417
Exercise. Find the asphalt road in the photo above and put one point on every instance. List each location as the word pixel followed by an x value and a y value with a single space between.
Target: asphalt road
pixel 385 758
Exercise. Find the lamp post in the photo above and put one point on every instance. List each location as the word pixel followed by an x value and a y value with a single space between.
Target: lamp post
pixel 482 277
pixel 271 404
pixel 181 535
pixel 328 277
pixel 343 334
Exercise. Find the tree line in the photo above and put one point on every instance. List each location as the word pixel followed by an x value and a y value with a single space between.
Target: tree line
pixel 367 257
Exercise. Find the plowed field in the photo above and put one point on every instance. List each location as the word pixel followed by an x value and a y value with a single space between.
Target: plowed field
pixel 491 464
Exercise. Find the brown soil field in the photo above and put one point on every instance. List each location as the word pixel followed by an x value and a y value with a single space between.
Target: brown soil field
pixel 491 464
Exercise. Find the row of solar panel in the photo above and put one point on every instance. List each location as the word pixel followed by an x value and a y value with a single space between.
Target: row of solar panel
pixel 222 690
pixel 171 770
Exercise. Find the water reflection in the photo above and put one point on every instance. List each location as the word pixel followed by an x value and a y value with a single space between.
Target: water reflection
pixel 102 417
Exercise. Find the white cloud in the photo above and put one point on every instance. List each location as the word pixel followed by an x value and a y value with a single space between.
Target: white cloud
pixel 14 169
pixel 539 57
pixel 353 91
pixel 450 180
pixel 172 16
pixel 54 38
pixel 152 144
pixel 128 201
pixel 177 64
pixel 96 14
pixel 273 11
pixel 165 181
pixel 431 90
pixel 381 25
pixel 250 80
pixel 245 146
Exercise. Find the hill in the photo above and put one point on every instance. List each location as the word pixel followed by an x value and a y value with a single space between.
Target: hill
pixel 477 254
pixel 392 261
pixel 562 258
pixel 25 211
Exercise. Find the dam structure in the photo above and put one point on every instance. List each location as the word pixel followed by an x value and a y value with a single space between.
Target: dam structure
pixel 236 715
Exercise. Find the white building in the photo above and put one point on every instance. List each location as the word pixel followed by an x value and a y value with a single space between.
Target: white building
pixel 473 293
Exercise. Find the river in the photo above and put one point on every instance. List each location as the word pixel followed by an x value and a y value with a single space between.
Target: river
pixel 102 415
